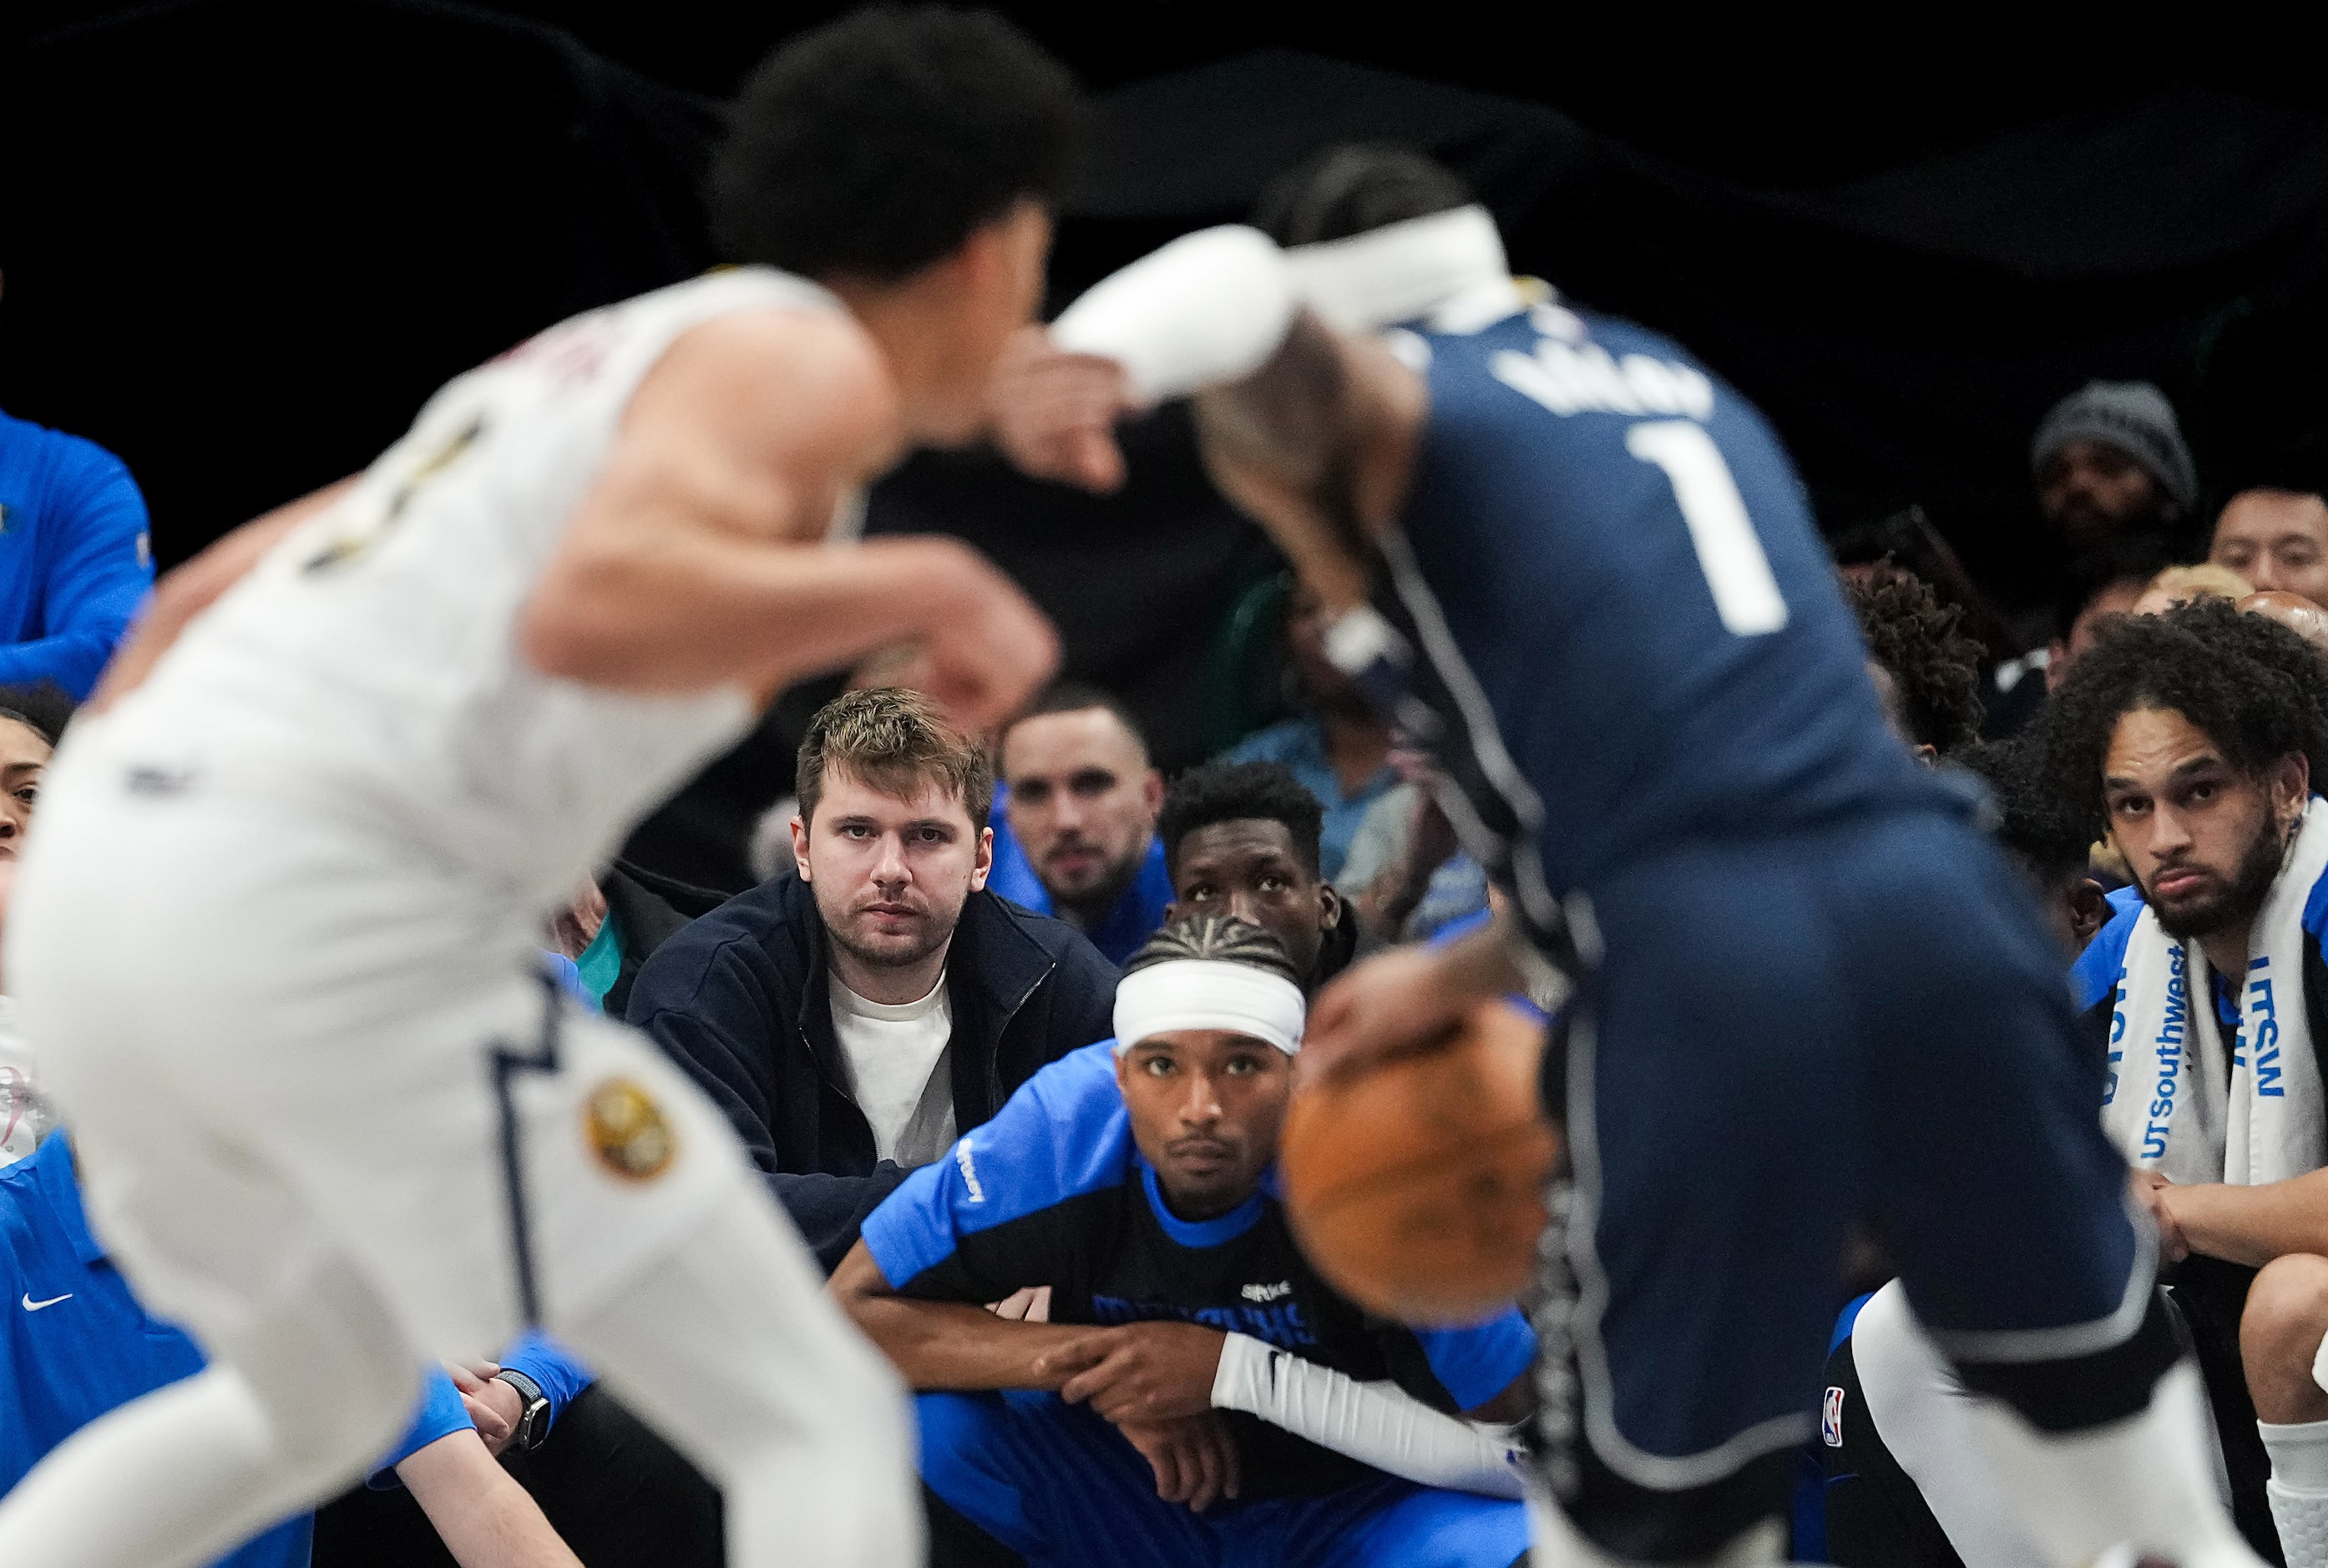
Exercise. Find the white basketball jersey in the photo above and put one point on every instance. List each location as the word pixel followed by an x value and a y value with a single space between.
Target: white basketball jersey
pixel 370 661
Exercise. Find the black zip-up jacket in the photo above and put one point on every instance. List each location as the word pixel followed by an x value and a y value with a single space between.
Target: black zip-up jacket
pixel 739 999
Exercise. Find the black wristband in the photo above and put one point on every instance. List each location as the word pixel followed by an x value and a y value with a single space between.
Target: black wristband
pixel 533 1417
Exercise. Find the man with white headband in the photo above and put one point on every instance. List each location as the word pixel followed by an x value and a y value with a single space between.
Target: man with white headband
pixel 1581 569
pixel 1198 1389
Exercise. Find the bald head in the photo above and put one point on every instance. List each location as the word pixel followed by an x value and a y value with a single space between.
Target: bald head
pixel 2293 611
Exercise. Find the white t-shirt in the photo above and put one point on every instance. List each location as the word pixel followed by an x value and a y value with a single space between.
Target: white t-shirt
pixel 899 1070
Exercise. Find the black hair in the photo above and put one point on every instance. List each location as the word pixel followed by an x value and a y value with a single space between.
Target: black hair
pixel 1353 187
pixel 2034 820
pixel 876 145
pixel 1081 697
pixel 2255 688
pixel 1914 636
pixel 2127 558
pixel 1222 938
pixel 44 707
pixel 1240 792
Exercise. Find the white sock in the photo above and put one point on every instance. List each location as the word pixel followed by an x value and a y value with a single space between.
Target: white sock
pixel 2298 1489
pixel 2148 1481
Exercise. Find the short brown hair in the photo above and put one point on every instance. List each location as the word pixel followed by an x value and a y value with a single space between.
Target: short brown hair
pixel 891 738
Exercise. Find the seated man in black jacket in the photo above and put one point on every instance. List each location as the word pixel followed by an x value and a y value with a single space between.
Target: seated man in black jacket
pixel 853 1022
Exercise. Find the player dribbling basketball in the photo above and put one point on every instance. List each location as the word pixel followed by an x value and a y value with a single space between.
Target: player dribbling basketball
pixel 276 939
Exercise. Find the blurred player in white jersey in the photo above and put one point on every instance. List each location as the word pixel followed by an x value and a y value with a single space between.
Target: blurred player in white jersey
pixel 277 937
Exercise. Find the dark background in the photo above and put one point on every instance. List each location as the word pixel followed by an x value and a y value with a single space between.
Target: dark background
pixel 243 239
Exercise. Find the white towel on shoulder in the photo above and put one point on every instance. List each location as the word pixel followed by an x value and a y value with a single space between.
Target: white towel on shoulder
pixel 2172 1105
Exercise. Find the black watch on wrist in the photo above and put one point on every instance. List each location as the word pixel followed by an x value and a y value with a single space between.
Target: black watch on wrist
pixel 534 1420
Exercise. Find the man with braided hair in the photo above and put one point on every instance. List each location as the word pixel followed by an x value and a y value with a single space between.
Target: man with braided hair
pixel 2197 740
pixel 1926 673
pixel 1199 1396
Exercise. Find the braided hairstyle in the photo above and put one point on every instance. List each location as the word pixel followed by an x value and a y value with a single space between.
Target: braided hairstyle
pixel 2255 688
pixel 1221 938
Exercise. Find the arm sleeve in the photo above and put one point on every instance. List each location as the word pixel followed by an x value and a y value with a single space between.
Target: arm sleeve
pixel 440 1414
pixel 557 1370
pixel 1376 1424
pixel 99 573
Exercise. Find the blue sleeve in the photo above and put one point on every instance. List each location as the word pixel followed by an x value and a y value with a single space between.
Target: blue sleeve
pixel 1477 1363
pixel 550 1363
pixel 99 568
pixel 1063 1134
pixel 440 1415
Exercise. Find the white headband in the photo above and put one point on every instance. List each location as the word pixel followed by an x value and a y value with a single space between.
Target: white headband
pixel 1209 308
pixel 1208 994
pixel 1402 272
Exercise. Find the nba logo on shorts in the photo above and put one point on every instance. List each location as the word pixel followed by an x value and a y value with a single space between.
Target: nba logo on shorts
pixel 1831 1418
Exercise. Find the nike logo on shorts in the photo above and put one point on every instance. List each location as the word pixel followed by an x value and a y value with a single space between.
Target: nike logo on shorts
pixel 32 1306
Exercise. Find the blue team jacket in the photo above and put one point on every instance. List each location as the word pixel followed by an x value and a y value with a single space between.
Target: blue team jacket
pixel 75 558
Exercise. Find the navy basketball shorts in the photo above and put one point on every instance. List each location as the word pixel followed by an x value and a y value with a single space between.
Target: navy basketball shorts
pixel 1787 1036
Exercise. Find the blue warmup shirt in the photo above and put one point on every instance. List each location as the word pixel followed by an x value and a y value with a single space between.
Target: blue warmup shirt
pixel 1622 628
pixel 1053 1192
pixel 1136 916
pixel 80 1344
pixel 1299 744
pixel 75 558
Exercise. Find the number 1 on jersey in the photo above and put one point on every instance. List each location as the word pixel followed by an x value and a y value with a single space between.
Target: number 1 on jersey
pixel 1745 595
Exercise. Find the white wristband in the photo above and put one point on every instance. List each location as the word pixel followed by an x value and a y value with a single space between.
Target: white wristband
pixel 1377 1424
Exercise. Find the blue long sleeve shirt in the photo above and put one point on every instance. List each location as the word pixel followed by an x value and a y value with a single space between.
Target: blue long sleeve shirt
pixel 76 561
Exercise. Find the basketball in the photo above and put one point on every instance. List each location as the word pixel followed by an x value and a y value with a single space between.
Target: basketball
pixel 1416 1185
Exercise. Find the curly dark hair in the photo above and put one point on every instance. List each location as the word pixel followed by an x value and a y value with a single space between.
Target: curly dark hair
pixel 1354 187
pixel 1914 637
pixel 44 707
pixel 2255 688
pixel 2034 820
pixel 1219 937
pixel 877 144
pixel 1238 792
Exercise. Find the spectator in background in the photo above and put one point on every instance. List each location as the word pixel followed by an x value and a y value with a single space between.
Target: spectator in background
pixel 2109 459
pixel 1338 746
pixel 853 1021
pixel 1076 834
pixel 1405 877
pixel 32 719
pixel 1926 673
pixel 2182 584
pixel 2108 580
pixel 1242 842
pixel 75 558
pixel 2278 539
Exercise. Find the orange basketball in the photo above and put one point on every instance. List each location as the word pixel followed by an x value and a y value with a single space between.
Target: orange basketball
pixel 1416 1187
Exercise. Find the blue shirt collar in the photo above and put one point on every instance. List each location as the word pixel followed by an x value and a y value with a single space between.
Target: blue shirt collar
pixel 51 1166
pixel 1201 1233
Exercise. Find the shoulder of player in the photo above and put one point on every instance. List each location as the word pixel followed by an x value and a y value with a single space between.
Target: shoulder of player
pixel 807 378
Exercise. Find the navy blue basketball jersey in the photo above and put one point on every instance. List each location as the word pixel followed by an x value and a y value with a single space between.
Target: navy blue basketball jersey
pixel 1053 1192
pixel 1629 630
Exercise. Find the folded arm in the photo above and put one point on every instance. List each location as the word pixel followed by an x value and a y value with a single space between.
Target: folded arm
pixel 2251 1224
pixel 953 1343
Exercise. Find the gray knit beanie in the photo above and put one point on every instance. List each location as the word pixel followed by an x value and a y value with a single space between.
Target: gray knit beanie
pixel 2134 417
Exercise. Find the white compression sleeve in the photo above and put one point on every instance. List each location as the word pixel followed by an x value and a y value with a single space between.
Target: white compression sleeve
pixel 2298 1488
pixel 1377 1424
